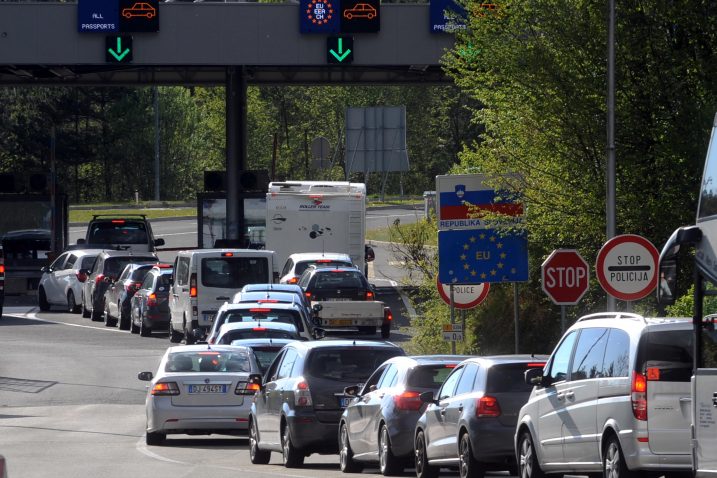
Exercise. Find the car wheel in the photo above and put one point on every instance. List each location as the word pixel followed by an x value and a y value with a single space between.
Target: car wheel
pixel 124 318
pixel 144 331
pixel 133 328
pixel 386 331
pixel 72 306
pixel 174 336
pixel 109 320
pixel 423 469
pixel 468 466
pixel 613 463
pixel 527 459
pixel 387 462
pixel 85 312
pixel 349 16
pixel 155 439
pixel 256 454
pixel 96 313
pixel 42 300
pixel 293 458
pixel 346 455
pixel 188 337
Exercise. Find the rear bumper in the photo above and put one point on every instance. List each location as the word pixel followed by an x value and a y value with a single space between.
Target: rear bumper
pixel 492 442
pixel 164 418
pixel 313 436
pixel 638 456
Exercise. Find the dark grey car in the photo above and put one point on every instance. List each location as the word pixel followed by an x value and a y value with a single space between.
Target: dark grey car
pixel 471 422
pixel 378 424
pixel 119 293
pixel 298 408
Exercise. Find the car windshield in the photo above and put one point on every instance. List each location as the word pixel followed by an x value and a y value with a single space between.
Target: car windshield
pixel 118 232
pixel 350 364
pixel 234 272
pixel 302 266
pixel 208 361
pixel 256 333
pixel 284 316
pixel 339 280
pixel 429 376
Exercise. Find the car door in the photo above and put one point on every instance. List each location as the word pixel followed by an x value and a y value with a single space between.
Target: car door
pixel 52 284
pixel 580 397
pixel 262 401
pixel 113 291
pixel 66 277
pixel 356 418
pixel 283 393
pixel 550 405
pixel 435 413
pixel 371 409
pixel 139 299
pixel 180 289
pixel 454 410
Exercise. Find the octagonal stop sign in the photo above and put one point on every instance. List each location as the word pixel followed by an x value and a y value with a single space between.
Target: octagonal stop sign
pixel 565 276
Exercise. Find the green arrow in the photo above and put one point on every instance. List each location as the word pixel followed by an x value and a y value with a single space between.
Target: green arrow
pixel 341 55
pixel 119 54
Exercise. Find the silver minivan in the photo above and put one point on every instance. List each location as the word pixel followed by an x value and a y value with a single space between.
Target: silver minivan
pixel 614 397
pixel 206 278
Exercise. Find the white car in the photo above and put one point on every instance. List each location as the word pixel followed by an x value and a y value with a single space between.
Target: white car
pixel 232 331
pixel 201 389
pixel 61 281
pixel 296 264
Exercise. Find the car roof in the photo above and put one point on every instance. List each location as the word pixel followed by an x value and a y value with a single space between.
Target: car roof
pixel 258 342
pixel 219 252
pixel 268 324
pixel 228 307
pixel 253 296
pixel 272 287
pixel 310 256
pixel 317 344
pixel 314 269
pixel 489 360
pixel 203 347
pixel 127 253
pixel 414 360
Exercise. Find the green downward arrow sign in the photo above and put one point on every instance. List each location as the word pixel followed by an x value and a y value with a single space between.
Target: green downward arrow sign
pixel 341 55
pixel 118 54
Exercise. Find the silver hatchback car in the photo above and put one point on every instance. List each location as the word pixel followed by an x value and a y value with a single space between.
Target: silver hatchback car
pixel 614 397
pixel 201 389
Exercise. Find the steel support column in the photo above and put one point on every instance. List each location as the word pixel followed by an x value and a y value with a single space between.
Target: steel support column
pixel 236 149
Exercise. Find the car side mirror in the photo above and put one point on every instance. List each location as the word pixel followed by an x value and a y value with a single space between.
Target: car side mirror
pixel 351 391
pixel 534 376
pixel 159 242
pixel 319 333
pixel 317 308
pixel 81 241
pixel 427 397
pixel 145 376
pixel 45 269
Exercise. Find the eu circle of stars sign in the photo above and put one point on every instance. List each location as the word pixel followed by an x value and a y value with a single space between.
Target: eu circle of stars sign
pixel 320 16
pixel 470 256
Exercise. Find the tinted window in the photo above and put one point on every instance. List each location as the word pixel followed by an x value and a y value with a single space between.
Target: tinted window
pixel 139 273
pixel 617 356
pixel 589 353
pixel 450 384
pixel 234 272
pixel 183 271
pixel 669 351
pixel 373 379
pixel 70 262
pixel 287 267
pixel 561 358
pixel 507 378
pixel 287 363
pixel 339 280
pixel 351 364
pixel 87 262
pixel 118 232
pixel 165 280
pixel 429 376
pixel 115 265
pixel 465 385
pixel 58 262
pixel 233 335
pixel 208 361
pixel 147 283
pixel 389 378
pixel 264 356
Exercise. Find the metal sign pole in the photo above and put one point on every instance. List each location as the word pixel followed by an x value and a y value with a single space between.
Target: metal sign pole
pixel 562 319
pixel 516 314
pixel 453 321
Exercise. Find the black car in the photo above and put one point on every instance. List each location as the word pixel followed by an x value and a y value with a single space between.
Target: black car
pixel 149 307
pixel 378 425
pixel 106 269
pixel 297 410
pixel 119 293
pixel 470 423
pixel 335 283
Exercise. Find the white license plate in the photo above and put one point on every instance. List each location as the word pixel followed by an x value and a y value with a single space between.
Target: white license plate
pixel 209 317
pixel 208 388
pixel 344 401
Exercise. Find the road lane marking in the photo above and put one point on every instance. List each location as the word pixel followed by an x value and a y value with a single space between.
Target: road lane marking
pixel 33 316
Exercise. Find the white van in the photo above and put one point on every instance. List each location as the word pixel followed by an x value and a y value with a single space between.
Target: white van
pixel 206 278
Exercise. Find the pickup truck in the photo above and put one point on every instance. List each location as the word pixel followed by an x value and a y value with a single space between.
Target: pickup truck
pixel 364 316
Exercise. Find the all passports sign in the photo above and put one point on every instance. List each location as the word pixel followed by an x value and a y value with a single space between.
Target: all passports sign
pixel 627 267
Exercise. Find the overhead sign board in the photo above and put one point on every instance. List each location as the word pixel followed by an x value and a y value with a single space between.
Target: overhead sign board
pixel 360 16
pixel 339 50
pixel 464 296
pixel 482 255
pixel 140 16
pixel 98 16
pixel 447 16
pixel 565 276
pixel 320 16
pixel 626 267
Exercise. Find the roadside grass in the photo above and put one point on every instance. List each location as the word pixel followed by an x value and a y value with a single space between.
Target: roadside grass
pixel 390 234
pixel 86 215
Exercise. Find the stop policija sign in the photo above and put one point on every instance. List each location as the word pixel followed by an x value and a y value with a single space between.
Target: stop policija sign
pixel 565 276
pixel 627 267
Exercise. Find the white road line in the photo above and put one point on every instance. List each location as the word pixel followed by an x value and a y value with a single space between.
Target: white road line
pixel 177 234
pixel 142 448
pixel 33 316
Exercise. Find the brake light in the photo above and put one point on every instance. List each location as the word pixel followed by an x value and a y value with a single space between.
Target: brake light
pixel 293 280
pixel 246 388
pixel 487 406
pixel 259 329
pixel 369 295
pixel 193 285
pixel 227 254
pixel 302 395
pixel 639 396
pixel 323 261
pixel 535 365
pixel 99 278
pixel 308 295
pixel 81 276
pixel 387 315
pixel 260 309
pixel 152 299
pixel 165 388
pixel 117 221
pixel 267 301
pixel 2 268
pixel 451 365
pixel 408 401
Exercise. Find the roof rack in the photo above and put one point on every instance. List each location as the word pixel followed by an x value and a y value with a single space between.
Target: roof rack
pixel 119 216
pixel 613 315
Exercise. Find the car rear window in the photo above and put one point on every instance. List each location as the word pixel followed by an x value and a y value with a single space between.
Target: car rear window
pixel 234 272
pixel 118 232
pixel 350 364
pixel 666 355
pixel 302 266
pixel 243 334
pixel 208 361
pixel 339 280
pixel 265 355
pixel 115 265
pixel 284 316
pixel 508 378
pixel 429 376
pixel 139 273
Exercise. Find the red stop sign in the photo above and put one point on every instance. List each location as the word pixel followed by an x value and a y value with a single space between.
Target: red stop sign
pixel 565 276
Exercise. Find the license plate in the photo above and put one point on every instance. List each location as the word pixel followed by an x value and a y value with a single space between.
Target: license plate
pixel 344 401
pixel 209 317
pixel 208 388
pixel 340 321
pixel 341 300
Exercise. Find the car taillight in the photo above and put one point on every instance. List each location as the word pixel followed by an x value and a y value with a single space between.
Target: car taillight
pixel 259 310
pixel 387 315
pixel 152 299
pixel 165 388
pixel 267 301
pixel 293 280
pixel 408 401
pixel 81 276
pixel 259 329
pixel 639 396
pixel 246 388
pixel 2 269
pixel 369 295
pixel 487 406
pixel 308 295
pixel 99 278
pixel 302 395
pixel 117 221
pixel 193 285
pixel 227 254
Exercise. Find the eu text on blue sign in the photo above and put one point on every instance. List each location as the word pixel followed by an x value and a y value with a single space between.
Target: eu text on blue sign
pixel 320 16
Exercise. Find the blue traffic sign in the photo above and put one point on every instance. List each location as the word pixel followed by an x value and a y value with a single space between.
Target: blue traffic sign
pixel 320 16
pixel 472 256
pixel 447 16
pixel 98 16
